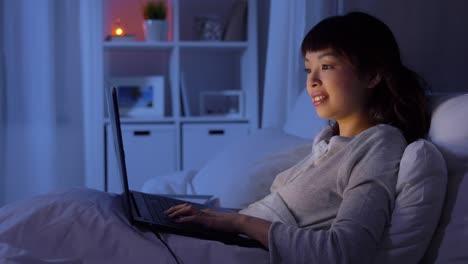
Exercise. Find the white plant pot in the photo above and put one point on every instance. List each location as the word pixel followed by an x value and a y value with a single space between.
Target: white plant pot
pixel 155 30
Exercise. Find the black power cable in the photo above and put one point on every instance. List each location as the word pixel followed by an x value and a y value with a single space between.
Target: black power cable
pixel 167 246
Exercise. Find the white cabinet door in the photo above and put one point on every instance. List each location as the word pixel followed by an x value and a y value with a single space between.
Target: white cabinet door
pixel 150 150
pixel 201 142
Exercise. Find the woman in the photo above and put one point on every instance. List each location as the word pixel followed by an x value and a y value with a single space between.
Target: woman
pixel 334 205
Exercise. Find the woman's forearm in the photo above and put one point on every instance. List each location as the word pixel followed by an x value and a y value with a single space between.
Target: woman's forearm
pixel 255 228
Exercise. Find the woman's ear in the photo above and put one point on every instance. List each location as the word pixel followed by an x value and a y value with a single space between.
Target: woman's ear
pixel 374 80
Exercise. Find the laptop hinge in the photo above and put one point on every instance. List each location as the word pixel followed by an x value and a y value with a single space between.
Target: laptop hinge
pixel 141 206
pixel 135 205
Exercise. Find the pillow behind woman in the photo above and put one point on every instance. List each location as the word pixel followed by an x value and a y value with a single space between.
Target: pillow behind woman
pixel 420 189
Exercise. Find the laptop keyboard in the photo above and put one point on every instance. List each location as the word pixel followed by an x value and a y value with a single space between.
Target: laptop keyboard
pixel 159 205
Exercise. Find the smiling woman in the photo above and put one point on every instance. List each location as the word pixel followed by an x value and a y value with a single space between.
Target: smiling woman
pixel 333 206
pixel 368 72
pixel 338 93
pixel 343 191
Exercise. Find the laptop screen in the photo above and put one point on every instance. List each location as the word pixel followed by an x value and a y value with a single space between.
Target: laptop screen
pixel 114 118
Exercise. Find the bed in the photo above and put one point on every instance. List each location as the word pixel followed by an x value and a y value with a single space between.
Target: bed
pixel 430 220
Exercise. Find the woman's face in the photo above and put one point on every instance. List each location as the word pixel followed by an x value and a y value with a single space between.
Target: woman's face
pixel 335 88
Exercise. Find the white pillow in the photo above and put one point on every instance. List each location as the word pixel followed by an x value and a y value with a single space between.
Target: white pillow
pixel 171 183
pixel 243 172
pixel 449 132
pixel 420 194
pixel 303 120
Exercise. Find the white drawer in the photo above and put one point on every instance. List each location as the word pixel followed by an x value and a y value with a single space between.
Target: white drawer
pixel 201 142
pixel 150 150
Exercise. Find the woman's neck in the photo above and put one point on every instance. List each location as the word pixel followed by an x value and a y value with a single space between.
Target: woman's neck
pixel 351 128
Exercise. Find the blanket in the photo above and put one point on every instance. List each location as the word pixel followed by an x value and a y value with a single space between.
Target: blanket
pixel 88 226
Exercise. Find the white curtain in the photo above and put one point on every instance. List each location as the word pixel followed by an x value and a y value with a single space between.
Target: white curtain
pixel 284 75
pixel 2 108
pixel 45 64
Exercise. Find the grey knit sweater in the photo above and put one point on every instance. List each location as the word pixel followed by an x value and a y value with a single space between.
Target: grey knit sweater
pixel 333 206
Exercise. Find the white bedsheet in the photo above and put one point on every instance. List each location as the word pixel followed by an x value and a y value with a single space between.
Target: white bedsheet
pixel 87 226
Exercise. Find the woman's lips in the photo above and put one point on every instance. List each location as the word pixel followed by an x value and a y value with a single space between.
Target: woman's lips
pixel 319 99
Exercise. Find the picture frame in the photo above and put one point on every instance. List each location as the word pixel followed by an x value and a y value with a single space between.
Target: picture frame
pixel 140 96
pixel 184 96
pixel 225 103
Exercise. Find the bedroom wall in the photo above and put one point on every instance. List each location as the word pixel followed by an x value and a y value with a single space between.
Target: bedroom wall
pixel 432 35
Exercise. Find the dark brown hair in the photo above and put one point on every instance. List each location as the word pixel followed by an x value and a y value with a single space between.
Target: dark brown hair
pixel 398 99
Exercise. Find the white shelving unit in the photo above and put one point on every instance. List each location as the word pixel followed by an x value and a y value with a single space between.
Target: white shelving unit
pixel 155 146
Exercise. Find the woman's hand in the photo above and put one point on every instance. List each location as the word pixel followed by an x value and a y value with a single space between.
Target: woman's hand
pixel 253 227
pixel 224 222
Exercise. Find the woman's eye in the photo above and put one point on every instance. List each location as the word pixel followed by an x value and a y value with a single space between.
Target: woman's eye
pixel 326 67
pixel 307 71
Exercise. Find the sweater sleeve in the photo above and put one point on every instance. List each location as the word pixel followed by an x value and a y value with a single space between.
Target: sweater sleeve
pixel 368 193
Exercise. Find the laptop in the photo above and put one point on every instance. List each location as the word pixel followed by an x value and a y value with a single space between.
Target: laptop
pixel 147 209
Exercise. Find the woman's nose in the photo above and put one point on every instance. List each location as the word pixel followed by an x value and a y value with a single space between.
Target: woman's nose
pixel 314 80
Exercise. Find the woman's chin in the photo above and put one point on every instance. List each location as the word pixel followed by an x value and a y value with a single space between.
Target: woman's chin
pixel 322 114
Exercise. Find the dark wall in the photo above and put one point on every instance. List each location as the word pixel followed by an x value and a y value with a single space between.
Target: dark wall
pixel 432 34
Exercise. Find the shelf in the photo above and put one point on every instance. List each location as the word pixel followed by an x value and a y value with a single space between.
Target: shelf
pixel 187 60
pixel 214 44
pixel 138 120
pixel 170 45
pixel 170 120
pixel 208 119
pixel 139 45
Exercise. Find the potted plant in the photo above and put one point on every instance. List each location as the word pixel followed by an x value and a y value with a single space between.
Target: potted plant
pixel 155 24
